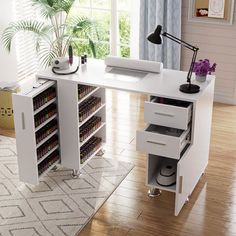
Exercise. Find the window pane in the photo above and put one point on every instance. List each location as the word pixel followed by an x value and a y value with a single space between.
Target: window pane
pixel 124 51
pixel 82 3
pixel 74 12
pixel 104 4
pixel 124 28
pixel 102 19
pixel 81 47
pixel 124 5
pixel 102 50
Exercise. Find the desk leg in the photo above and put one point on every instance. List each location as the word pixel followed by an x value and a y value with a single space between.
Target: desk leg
pixel 154 192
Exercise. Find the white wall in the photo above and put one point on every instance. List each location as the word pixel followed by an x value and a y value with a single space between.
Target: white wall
pixel 8 67
pixel 218 43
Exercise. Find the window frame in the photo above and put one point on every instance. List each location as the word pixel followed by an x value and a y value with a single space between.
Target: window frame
pixel 114 42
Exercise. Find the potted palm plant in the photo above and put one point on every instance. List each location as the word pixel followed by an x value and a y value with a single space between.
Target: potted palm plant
pixel 53 35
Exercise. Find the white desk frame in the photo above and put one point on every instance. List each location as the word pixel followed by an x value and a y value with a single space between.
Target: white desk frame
pixel 166 84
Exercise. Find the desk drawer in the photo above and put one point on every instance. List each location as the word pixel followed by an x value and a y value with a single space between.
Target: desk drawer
pixel 168 112
pixel 162 141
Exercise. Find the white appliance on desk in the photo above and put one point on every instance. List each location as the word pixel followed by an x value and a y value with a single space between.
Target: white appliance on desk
pixel 186 119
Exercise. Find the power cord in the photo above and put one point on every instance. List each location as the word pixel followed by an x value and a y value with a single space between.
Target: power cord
pixel 61 73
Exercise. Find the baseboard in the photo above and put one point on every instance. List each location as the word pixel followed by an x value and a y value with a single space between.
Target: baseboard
pixel 224 99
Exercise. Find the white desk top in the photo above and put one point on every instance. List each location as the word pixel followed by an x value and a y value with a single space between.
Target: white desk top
pixel 165 84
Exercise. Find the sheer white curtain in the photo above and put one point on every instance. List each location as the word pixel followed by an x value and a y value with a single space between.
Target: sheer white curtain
pixel 168 14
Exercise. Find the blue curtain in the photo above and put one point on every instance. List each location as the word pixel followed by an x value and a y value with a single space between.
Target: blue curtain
pixel 168 14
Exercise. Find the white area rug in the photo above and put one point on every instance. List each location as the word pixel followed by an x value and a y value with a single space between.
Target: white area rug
pixel 59 205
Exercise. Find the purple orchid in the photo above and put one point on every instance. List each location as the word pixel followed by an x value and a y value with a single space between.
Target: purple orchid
pixel 203 67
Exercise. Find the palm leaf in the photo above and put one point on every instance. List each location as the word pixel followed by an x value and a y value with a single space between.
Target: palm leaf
pixel 92 47
pixel 50 8
pixel 36 27
pixel 47 53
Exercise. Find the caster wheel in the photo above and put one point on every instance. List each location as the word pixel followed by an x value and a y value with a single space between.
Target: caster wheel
pixel 75 174
pixel 187 201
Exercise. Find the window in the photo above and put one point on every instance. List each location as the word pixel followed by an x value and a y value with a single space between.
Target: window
pixel 116 34
pixel 117 22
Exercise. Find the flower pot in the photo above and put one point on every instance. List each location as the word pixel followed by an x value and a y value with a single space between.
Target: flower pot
pixel 201 78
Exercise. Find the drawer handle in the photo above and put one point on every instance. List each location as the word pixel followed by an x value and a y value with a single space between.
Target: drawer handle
pixel 23 120
pixel 157 143
pixel 180 184
pixel 164 114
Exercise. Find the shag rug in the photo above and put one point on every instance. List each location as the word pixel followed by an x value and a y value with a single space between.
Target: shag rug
pixel 59 205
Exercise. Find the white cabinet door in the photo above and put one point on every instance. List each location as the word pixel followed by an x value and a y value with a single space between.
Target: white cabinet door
pixel 184 181
pixel 25 136
pixel 192 165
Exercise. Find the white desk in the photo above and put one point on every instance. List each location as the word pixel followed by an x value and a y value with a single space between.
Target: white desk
pixel 195 116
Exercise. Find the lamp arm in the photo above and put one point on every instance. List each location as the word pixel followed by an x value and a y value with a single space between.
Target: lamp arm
pixel 191 66
pixel 187 45
pixel 179 41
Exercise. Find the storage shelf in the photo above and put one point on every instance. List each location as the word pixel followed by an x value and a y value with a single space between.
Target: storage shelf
pixel 88 95
pixel 49 168
pixel 48 137
pixel 92 134
pixel 84 121
pixel 93 155
pixel 45 122
pixel 47 154
pixel 153 184
pixel 44 106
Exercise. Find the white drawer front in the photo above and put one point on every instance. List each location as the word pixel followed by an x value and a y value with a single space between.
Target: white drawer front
pixel 162 145
pixel 167 115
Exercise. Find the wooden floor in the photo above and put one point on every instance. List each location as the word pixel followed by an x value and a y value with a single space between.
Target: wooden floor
pixel 129 212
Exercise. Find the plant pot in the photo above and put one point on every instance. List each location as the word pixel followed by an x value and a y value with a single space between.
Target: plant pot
pixel 201 78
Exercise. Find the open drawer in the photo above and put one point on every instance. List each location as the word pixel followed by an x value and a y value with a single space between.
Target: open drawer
pixel 168 112
pixel 163 141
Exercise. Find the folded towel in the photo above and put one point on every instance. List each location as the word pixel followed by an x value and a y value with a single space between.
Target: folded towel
pixel 149 66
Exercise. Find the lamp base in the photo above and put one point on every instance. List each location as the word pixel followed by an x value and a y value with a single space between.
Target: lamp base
pixel 189 88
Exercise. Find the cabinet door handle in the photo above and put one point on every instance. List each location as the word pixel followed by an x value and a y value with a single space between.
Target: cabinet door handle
pixel 157 143
pixel 23 120
pixel 164 114
pixel 180 184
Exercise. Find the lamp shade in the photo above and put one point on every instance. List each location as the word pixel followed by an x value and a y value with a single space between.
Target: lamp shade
pixel 155 37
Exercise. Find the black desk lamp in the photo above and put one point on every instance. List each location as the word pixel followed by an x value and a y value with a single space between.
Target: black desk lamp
pixel 156 38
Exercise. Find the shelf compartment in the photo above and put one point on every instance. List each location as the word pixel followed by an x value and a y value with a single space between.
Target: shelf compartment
pixel 43 98
pixel 92 134
pixel 47 138
pixel 93 114
pixel 47 164
pixel 43 134
pixel 45 105
pixel 43 150
pixel 45 115
pixel 90 93
pixel 88 107
pixel 89 148
pixel 91 157
pixel 45 122
pixel 89 127
pixel 47 154
pixel 154 166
